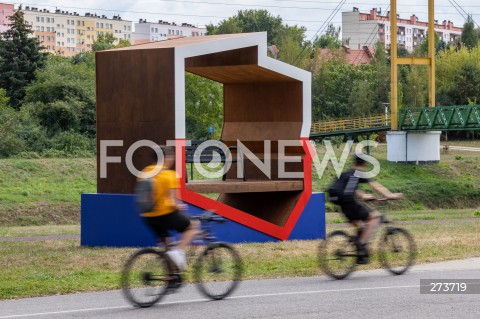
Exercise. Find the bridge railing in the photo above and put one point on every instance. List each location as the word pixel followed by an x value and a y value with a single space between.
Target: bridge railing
pixel 348 124
pixel 462 117
pixel 442 118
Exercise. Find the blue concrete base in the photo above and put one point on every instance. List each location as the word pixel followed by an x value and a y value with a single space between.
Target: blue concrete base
pixel 112 220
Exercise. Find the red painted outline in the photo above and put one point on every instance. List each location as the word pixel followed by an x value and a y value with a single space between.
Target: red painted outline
pixel 279 232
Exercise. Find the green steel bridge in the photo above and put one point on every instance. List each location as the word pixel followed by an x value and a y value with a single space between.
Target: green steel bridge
pixel 439 118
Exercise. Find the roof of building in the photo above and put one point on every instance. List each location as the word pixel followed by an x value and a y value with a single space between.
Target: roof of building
pixel 364 55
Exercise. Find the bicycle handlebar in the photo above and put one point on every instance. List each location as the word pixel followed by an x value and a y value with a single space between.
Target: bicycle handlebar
pixel 210 216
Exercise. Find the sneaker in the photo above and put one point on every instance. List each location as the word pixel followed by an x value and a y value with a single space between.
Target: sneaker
pixel 178 257
pixel 362 260
pixel 363 255
pixel 174 284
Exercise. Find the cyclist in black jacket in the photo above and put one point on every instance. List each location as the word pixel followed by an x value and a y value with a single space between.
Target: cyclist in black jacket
pixel 345 192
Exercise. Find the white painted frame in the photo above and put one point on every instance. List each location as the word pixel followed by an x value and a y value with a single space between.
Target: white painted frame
pixel 258 39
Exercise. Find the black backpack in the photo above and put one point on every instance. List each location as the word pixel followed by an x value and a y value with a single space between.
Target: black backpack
pixel 144 195
pixel 336 192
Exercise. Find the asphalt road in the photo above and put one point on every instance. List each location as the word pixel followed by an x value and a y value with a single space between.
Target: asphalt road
pixel 367 294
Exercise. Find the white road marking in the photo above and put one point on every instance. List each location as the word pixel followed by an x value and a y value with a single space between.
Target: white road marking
pixel 200 300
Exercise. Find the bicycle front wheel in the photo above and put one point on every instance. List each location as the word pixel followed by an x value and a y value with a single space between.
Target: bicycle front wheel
pixel 145 278
pixel 218 270
pixel 397 250
pixel 338 255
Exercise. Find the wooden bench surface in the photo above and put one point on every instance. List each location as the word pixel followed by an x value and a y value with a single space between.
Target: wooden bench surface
pixel 249 186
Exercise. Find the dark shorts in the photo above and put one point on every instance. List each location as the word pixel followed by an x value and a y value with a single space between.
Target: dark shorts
pixel 355 211
pixel 161 225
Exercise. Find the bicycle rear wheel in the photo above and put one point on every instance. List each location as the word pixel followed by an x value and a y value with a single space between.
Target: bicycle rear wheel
pixel 397 250
pixel 145 277
pixel 218 270
pixel 338 255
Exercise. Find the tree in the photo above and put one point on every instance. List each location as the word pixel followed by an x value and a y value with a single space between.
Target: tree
pixel 250 21
pixel 332 84
pixel 469 35
pixel 416 87
pixel 467 82
pixel 292 46
pixel 103 42
pixel 203 103
pixel 330 39
pixel 20 56
pixel 3 98
pixel 63 96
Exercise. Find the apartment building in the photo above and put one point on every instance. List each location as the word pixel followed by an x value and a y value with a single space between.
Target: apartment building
pixel 159 31
pixel 365 29
pixel 69 33
pixel 6 10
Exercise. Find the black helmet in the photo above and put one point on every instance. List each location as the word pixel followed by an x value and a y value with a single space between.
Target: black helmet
pixel 359 160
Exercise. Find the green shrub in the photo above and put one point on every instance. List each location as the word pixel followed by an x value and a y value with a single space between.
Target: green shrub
pixel 477 213
pixel 71 142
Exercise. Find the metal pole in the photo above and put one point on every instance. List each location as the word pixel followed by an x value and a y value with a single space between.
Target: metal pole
pixel 393 66
pixel 431 52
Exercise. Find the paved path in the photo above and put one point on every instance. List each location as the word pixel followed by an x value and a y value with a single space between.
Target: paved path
pixel 367 294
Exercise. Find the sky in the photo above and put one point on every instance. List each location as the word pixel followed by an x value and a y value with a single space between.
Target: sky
pixel 313 15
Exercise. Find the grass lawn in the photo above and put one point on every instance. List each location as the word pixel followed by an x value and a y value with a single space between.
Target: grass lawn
pixel 46 230
pixel 61 266
pixel 44 191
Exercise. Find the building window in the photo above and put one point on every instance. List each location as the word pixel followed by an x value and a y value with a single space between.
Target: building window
pixel 68 22
pixel 178 32
pixel 42 28
pixel 68 40
pixel 129 28
pixel 38 19
pixel 88 36
pixel 48 20
pixel 48 29
pixel 42 19
pixel 128 36
pixel 83 23
pixel 98 24
pixel 37 28
pixel 79 23
pixel 48 38
pixel 43 38
pixel 53 20
pixel 101 25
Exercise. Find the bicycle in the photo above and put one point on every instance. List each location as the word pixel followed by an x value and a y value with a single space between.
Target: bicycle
pixel 338 252
pixel 149 274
